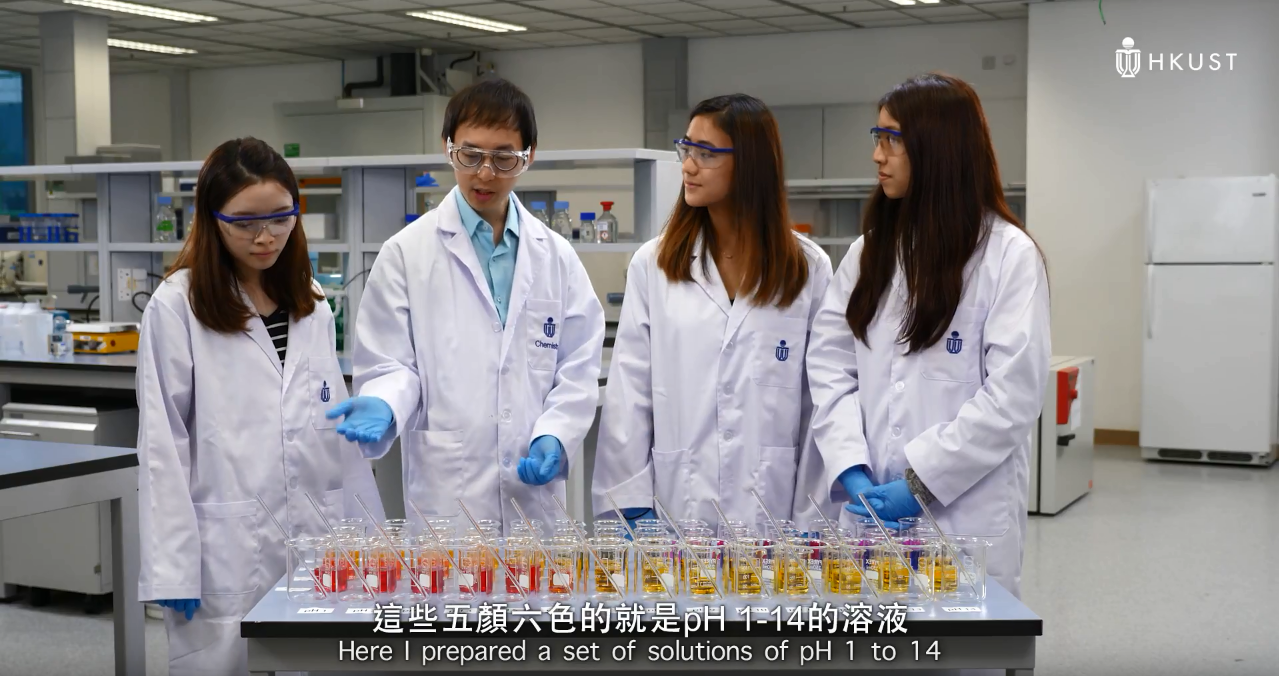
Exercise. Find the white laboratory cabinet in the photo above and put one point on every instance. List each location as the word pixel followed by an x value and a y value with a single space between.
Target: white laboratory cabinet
pixel 1061 451
pixel 67 549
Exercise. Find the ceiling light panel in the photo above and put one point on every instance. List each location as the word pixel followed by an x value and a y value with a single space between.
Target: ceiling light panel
pixel 142 10
pixel 147 47
pixel 467 21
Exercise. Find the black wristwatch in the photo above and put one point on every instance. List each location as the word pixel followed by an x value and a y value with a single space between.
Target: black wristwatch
pixel 917 487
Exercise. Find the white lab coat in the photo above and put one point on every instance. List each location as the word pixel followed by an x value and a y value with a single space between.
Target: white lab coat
pixel 220 421
pixel 960 413
pixel 470 395
pixel 706 399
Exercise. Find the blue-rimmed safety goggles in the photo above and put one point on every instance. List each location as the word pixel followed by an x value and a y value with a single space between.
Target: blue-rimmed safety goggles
pixel 880 135
pixel 277 224
pixel 703 155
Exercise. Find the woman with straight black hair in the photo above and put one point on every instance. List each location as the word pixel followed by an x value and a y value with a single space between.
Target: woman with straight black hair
pixel 706 396
pixel 236 368
pixel 929 355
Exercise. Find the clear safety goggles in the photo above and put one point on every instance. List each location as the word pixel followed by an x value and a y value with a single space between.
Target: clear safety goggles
pixel 704 156
pixel 888 139
pixel 249 227
pixel 505 163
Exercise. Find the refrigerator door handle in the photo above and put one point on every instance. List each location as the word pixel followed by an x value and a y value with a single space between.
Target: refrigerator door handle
pixel 1150 302
pixel 1150 222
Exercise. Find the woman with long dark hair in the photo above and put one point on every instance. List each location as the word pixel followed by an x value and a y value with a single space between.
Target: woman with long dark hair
pixel 930 352
pixel 706 396
pixel 236 368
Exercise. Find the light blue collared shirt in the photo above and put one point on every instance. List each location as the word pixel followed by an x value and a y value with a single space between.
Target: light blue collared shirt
pixel 497 261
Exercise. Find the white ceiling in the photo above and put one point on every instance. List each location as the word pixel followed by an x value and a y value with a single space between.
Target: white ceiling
pixel 254 32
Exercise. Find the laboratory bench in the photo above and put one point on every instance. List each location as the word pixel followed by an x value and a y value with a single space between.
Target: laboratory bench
pixel 38 477
pixel 997 633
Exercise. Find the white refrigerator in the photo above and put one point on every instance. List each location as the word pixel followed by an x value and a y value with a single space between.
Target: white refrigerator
pixel 1210 377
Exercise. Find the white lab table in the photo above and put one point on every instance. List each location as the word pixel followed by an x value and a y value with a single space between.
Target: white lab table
pixel 997 633
pixel 38 477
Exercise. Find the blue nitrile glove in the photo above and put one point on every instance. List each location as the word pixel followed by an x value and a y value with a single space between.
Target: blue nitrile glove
pixel 368 419
pixel 855 482
pixel 545 456
pixel 898 501
pixel 185 606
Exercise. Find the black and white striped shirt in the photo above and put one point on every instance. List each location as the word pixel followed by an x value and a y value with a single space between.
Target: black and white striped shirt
pixel 277 324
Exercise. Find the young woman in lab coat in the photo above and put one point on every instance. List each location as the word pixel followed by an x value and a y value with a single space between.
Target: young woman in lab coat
pixel 236 368
pixel 706 396
pixel 930 352
pixel 479 333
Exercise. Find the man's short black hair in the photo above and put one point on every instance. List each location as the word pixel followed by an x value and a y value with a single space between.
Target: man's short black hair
pixel 493 104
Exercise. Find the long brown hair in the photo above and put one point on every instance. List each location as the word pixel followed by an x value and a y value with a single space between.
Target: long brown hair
pixel 775 265
pixel 214 294
pixel 945 215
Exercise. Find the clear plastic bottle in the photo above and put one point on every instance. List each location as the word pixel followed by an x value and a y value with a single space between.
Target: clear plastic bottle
pixel 164 219
pixel 561 221
pixel 606 225
pixel 588 226
pixel 539 212
pixel 59 339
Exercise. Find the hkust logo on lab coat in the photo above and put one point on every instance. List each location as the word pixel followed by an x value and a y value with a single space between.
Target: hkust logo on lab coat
pixel 954 343
pixel 548 330
pixel 781 351
pixel 324 391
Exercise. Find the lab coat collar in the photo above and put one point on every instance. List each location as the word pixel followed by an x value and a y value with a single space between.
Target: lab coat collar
pixel 471 218
pixel 533 250
pixel 709 279
pixel 258 333
pixel 457 240
pixel 299 335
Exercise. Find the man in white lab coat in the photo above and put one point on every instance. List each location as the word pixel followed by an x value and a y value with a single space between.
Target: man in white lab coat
pixel 478 337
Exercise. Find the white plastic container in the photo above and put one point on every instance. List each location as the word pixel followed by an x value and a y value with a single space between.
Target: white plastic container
pixel 9 341
pixel 34 327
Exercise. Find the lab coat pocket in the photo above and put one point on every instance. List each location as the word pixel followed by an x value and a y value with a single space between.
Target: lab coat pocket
pixel 543 320
pixel 325 389
pixel 775 478
pixel 229 548
pixel 671 476
pixel 957 356
pixel 778 352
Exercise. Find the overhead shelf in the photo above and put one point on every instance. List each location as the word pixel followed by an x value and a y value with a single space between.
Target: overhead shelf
pixel 144 247
pixel 543 159
pixel 48 246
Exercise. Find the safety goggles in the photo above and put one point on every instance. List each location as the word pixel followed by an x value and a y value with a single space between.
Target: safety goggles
pixel 505 163
pixel 249 227
pixel 888 139
pixel 706 157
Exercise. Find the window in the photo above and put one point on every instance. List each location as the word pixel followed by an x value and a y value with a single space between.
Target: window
pixel 15 137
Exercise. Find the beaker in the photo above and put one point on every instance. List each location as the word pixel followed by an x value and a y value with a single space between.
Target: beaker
pixel 700 576
pixel 655 559
pixel 562 571
pixel 380 567
pixel 609 566
pixel 305 563
pixel 802 566
pixel 893 572
pixel 843 565
pixel 354 525
pixel 752 558
pixel 962 580
pixel 431 565
pixel 477 566
pixel 524 560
